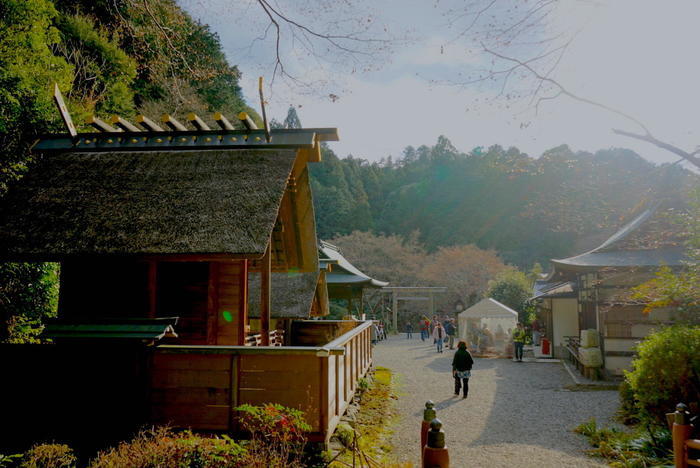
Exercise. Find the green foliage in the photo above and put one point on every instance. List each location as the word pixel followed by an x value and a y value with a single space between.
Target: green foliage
pixel 640 448
pixel 28 69
pixel 28 291
pixel 666 372
pixel 103 71
pixel 7 461
pixel 49 456
pixel 512 288
pixel 164 448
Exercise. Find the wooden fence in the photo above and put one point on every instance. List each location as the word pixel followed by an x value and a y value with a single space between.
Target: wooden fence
pixel 198 386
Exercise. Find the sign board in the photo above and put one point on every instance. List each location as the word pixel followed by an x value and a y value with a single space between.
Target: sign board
pixel 65 115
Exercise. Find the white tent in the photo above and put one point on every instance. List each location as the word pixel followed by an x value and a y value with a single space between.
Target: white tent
pixel 487 324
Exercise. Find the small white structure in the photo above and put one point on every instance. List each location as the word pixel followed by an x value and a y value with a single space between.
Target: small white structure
pixel 487 325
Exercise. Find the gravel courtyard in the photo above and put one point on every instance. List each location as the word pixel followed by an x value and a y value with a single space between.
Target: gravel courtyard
pixel 517 414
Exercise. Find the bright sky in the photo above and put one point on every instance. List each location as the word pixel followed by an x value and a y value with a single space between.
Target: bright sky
pixel 637 55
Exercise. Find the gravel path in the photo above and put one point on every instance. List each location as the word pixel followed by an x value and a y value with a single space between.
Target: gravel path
pixel 517 414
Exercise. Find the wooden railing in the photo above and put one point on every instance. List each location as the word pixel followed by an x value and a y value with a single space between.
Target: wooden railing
pixel 198 386
pixel 255 339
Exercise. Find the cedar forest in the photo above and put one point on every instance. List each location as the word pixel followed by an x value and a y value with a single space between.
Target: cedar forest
pixel 430 202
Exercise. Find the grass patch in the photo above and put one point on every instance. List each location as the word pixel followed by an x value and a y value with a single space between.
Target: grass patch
pixel 367 439
pixel 591 388
pixel 638 448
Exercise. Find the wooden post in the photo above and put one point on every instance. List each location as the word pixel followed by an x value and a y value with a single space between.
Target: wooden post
pixel 213 303
pixel 395 311
pixel 243 306
pixel 681 432
pixel 435 453
pixel 428 415
pixel 265 273
pixel 152 288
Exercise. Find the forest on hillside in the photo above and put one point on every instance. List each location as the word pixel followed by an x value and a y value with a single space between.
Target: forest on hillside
pixel 526 209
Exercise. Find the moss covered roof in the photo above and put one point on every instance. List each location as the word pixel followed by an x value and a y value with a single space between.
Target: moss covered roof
pixel 170 202
pixel 292 294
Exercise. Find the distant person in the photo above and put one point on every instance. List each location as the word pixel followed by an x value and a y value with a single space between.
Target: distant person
pixel 373 332
pixel 424 327
pixel 451 330
pixel 462 363
pixel 409 330
pixel 536 332
pixel 439 336
pixel 519 342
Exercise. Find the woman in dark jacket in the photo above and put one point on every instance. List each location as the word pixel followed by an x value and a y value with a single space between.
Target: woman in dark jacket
pixel 461 368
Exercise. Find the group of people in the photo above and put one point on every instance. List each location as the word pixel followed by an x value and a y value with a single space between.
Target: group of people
pixel 377 332
pixel 440 330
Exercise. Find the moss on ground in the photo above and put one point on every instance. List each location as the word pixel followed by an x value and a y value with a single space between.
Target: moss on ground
pixel 370 430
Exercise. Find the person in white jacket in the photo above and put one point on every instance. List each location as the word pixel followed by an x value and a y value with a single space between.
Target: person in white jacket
pixel 439 335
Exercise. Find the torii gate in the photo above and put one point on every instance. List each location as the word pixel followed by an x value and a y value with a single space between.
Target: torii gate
pixel 396 296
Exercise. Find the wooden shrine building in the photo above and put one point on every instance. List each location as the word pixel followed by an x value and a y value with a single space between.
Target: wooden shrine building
pixel 158 233
pixel 345 281
pixel 592 290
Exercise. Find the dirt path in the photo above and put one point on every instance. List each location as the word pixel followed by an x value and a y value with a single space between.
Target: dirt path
pixel 517 414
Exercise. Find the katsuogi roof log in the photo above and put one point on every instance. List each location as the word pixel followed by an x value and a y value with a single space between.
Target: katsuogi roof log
pixel 136 203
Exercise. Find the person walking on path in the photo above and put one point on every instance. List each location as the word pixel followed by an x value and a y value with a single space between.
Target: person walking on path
pixel 462 363
pixel 424 325
pixel 409 330
pixel 519 342
pixel 451 330
pixel 439 336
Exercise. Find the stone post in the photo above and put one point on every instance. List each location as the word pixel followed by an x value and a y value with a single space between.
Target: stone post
pixel 428 415
pixel 435 454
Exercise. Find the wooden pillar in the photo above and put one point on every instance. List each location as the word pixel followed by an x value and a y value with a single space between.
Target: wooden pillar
pixel 243 314
pixel 395 311
pixel 213 303
pixel 152 291
pixel 265 274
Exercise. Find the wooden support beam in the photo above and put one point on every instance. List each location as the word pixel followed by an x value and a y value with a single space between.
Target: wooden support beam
pixel 394 311
pixel 123 124
pixel 265 292
pixel 148 124
pixel 198 123
pixel 223 121
pixel 247 121
pixel 172 123
pixel 100 125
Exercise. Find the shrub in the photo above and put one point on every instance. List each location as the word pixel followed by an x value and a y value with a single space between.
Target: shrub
pixel 164 448
pixel 666 372
pixel 277 435
pixel 640 448
pixel 49 456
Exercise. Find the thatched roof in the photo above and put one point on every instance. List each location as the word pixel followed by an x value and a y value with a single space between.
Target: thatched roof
pixel 170 202
pixel 292 294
